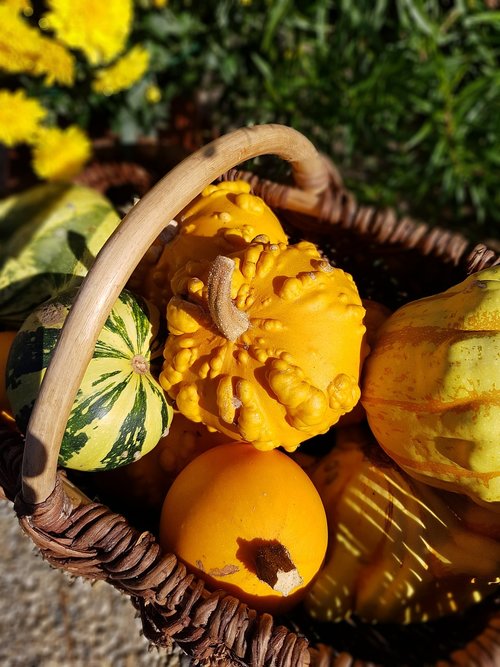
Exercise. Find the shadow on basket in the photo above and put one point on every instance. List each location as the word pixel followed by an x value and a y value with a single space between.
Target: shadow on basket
pixel 258 295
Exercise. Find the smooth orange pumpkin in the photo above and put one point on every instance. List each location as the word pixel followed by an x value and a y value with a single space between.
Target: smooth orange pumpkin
pixel 6 338
pixel 249 522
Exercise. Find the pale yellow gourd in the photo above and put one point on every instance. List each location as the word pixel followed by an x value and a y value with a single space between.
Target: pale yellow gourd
pixel 267 346
pixel 399 550
pixel 431 387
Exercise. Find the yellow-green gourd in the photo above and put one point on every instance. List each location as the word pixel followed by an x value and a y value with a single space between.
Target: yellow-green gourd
pixel 431 387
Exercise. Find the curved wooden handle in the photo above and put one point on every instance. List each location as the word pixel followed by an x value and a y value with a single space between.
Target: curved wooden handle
pixel 116 262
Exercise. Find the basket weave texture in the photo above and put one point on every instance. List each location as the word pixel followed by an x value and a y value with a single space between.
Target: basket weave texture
pixel 392 260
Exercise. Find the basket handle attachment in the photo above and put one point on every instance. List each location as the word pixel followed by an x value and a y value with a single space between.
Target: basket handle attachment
pixel 117 260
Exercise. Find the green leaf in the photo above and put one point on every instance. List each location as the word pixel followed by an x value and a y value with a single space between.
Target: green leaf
pixel 483 18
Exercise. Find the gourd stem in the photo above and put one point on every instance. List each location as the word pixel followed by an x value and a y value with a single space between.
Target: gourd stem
pixel 140 364
pixel 228 319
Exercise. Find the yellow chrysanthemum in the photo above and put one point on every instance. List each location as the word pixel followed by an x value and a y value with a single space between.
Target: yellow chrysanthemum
pixel 56 63
pixel 23 6
pixel 59 155
pixel 24 49
pixel 124 73
pixel 152 94
pixel 18 41
pixel 20 117
pixel 99 28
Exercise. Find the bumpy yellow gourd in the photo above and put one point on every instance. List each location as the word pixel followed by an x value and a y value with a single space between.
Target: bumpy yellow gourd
pixel 267 346
pixel 431 387
pixel 399 550
pixel 222 219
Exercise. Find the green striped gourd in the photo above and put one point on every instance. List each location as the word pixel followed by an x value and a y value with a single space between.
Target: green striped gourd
pixel 49 236
pixel 120 411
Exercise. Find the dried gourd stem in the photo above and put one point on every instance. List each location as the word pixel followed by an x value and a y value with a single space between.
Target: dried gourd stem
pixel 140 364
pixel 228 319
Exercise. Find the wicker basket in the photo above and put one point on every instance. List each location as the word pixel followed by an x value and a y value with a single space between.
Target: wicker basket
pixel 393 261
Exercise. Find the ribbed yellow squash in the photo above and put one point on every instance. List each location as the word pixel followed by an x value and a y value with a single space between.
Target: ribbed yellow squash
pixel 431 387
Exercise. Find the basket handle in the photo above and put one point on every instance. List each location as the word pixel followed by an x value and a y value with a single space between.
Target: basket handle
pixel 116 262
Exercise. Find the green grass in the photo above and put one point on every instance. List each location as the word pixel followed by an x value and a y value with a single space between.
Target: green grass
pixel 404 95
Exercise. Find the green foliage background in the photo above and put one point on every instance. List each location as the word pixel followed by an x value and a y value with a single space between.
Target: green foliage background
pixel 403 94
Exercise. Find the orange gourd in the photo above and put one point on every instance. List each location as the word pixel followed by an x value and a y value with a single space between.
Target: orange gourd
pixel 6 338
pixel 249 522
pixel 266 345
pixel 223 218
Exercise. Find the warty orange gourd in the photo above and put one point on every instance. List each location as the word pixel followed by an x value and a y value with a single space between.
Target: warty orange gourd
pixel 266 346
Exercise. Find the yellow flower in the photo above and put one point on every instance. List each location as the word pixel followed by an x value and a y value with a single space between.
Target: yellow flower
pixel 58 155
pixel 159 4
pixel 99 28
pixel 153 94
pixel 56 63
pixel 24 49
pixel 124 73
pixel 23 6
pixel 20 117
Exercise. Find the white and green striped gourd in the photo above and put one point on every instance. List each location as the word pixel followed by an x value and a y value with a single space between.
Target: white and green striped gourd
pixel 120 411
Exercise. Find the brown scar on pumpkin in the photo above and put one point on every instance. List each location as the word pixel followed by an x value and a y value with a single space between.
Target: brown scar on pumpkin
pixel 224 571
pixel 271 562
pixel 276 568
